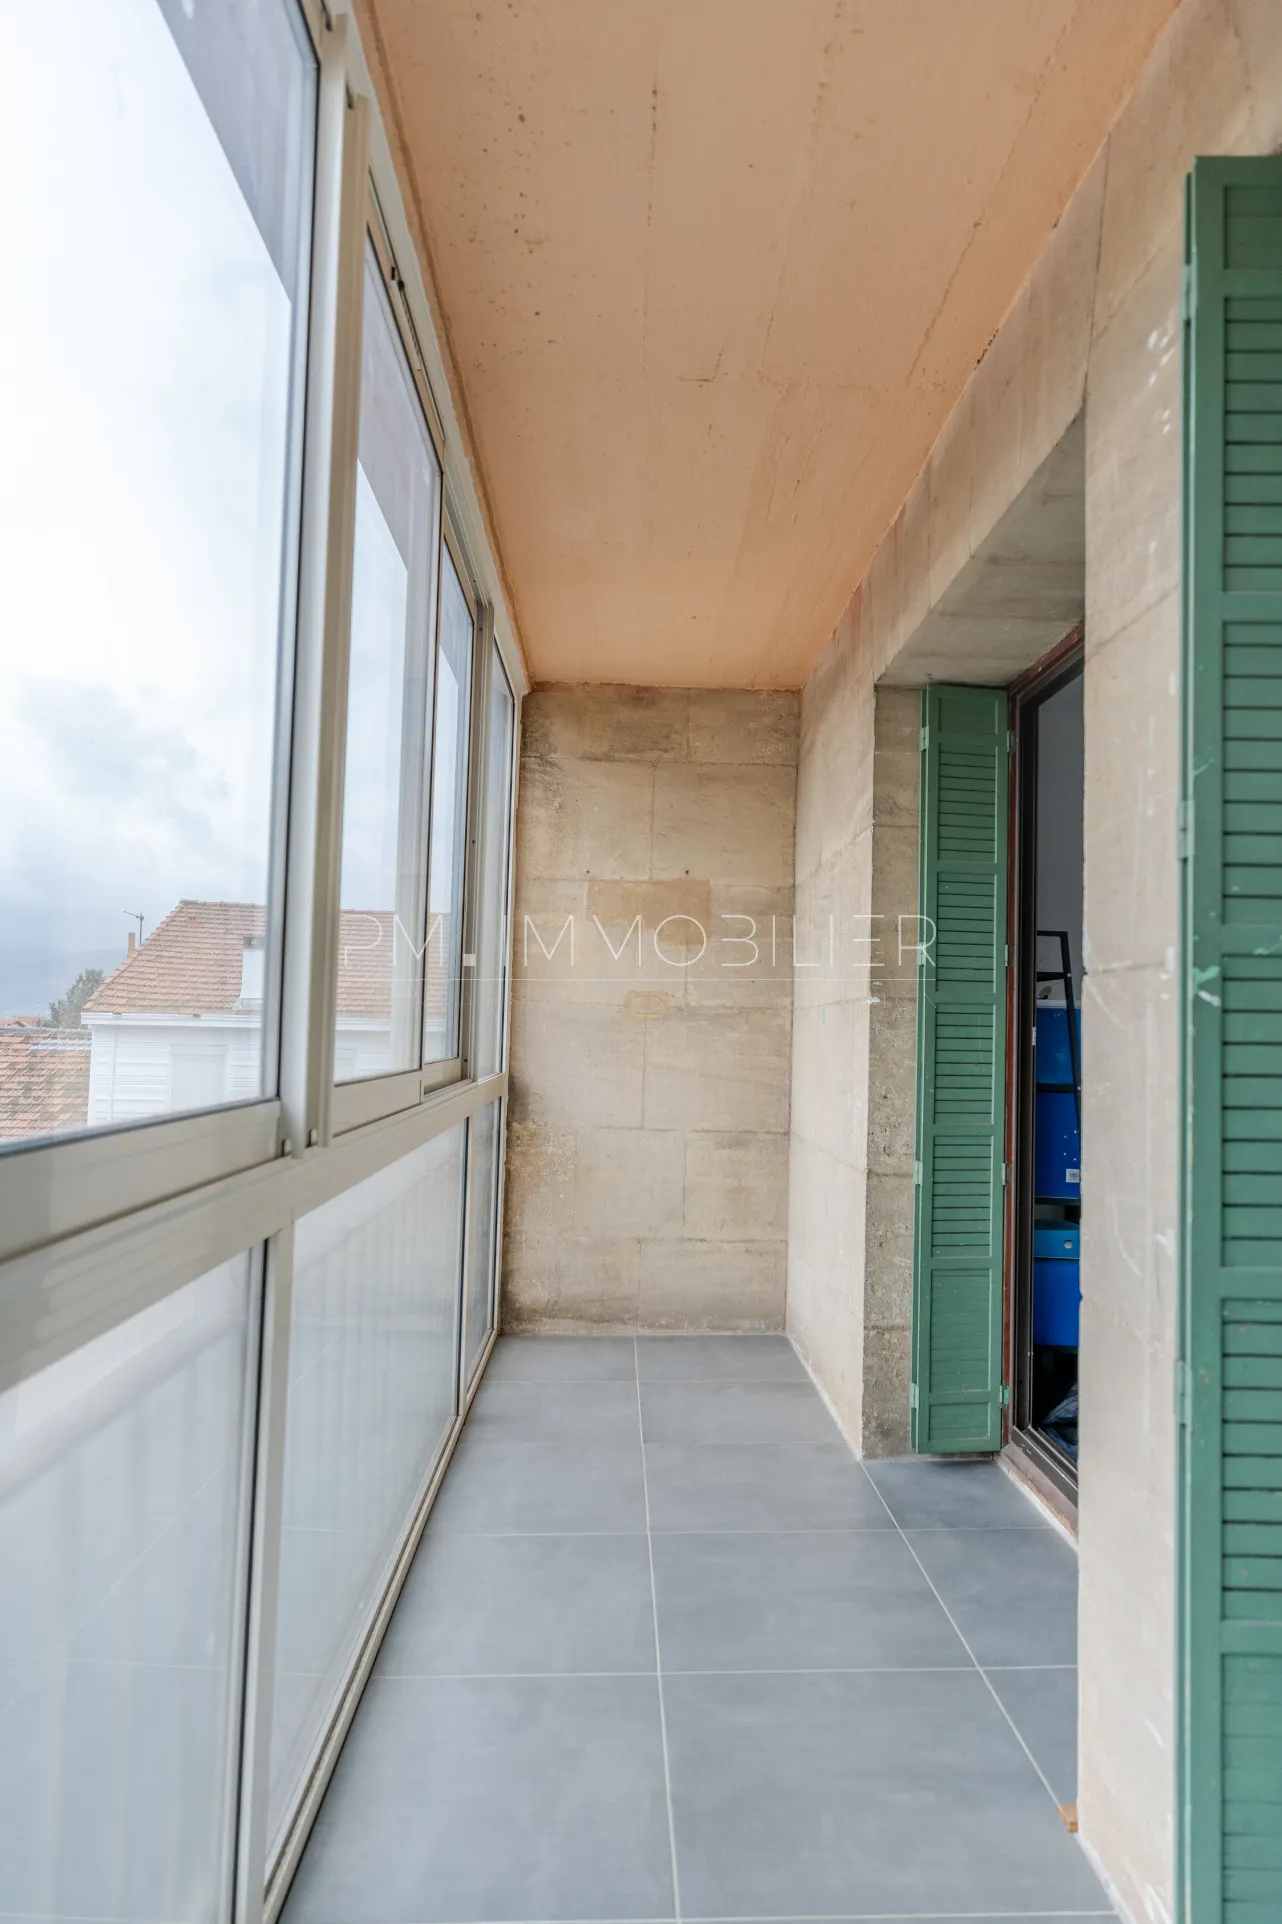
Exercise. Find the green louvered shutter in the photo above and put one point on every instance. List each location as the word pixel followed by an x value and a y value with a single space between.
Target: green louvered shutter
pixel 961 1073
pixel 1231 1377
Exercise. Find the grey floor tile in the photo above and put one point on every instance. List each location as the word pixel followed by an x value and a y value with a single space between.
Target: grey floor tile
pixel 493 1799
pixel 928 1494
pixel 831 1796
pixel 705 1359
pixel 1042 1705
pixel 763 1486
pixel 507 1604
pixel 1012 1593
pixel 497 1484
pixel 542 1412
pixel 562 1359
pixel 797 1602
pixel 734 1413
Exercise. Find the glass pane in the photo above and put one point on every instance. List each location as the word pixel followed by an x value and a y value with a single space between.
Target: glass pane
pixel 449 821
pixel 482 1201
pixel 372 1397
pixel 398 500
pixel 122 1481
pixel 496 827
pixel 148 509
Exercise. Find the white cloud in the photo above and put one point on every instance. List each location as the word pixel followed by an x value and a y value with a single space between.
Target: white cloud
pixel 143 390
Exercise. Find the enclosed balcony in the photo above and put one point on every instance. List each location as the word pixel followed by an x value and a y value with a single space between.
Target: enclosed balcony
pixel 641 962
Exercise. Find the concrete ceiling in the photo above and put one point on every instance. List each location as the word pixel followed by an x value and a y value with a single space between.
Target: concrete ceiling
pixel 714 273
pixel 1019 593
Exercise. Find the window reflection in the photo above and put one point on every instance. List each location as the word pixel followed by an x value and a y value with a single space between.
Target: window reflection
pixel 121 1491
pixel 398 492
pixel 484 1145
pixel 449 815
pixel 492 882
pixel 372 1397
pixel 148 507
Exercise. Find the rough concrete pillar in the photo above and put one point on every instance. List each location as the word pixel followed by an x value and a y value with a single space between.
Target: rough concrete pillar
pixel 851 1200
pixel 892 1049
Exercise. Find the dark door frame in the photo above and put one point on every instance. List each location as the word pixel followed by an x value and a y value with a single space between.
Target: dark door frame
pixel 1049 1469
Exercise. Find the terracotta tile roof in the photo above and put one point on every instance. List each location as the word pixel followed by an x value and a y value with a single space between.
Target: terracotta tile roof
pixel 191 964
pixel 365 946
pixel 44 1080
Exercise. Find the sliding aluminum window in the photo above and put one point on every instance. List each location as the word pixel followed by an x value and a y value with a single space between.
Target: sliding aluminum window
pixel 484 1156
pixel 371 1402
pixel 124 1507
pixel 390 689
pixel 456 648
pixel 261 704
pixel 151 387
pixel 494 877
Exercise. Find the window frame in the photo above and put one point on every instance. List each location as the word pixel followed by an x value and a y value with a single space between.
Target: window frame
pixel 50 1185
pixel 1061 666
pixel 457 1067
pixel 53 1187
pixel 98 1224
pixel 365 1099
pixel 493 657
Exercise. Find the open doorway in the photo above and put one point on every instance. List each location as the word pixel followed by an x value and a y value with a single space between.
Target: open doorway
pixel 1046 1065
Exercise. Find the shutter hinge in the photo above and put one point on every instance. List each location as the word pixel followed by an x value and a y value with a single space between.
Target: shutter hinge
pixel 1010 740
pixel 913 1399
pixel 1005 1398
pixel 917 1172
pixel 1005 1174
pixel 1188 298
pixel 1183 1396
pixel 1006 955
pixel 924 737
pixel 1184 830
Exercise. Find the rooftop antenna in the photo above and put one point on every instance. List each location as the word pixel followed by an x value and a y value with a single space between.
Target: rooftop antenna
pixel 135 915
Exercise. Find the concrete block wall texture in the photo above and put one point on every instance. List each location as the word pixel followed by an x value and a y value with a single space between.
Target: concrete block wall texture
pixel 1097 325
pixel 647 1166
pixel 851 1219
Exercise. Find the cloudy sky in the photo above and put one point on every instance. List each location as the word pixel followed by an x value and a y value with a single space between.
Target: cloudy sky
pixel 144 401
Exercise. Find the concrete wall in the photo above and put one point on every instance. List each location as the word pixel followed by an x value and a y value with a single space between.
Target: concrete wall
pixel 851 1224
pixel 1096 325
pixel 647 1168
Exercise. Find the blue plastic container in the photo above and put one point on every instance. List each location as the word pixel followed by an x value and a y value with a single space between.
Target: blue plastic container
pixel 1057 1148
pixel 1057 1286
pixel 1054 1057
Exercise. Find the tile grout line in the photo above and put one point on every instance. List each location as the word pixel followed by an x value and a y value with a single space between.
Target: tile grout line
pixel 508 1434
pixel 988 1684
pixel 801 1530
pixel 821 1917
pixel 968 1660
pixel 757 1670
pixel 658 1658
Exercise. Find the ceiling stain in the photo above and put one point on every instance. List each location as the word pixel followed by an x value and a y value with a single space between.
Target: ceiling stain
pixel 711 276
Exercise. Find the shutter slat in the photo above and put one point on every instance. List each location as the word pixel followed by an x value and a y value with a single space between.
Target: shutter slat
pixel 1263 459
pixel 961 1036
pixel 1248 489
pixel 1231 1258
